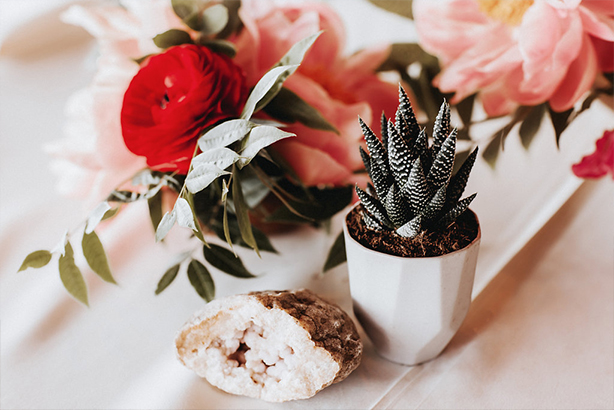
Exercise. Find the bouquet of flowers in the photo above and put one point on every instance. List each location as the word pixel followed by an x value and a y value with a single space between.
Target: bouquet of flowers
pixel 521 60
pixel 225 116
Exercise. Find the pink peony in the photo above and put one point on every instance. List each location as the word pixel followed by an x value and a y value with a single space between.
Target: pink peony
pixel 600 162
pixel 518 52
pixel 340 87
pixel 92 159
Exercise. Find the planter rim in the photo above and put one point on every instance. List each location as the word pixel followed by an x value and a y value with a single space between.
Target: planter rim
pixel 473 242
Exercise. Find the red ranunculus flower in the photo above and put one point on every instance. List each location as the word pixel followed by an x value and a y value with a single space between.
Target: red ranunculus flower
pixel 173 98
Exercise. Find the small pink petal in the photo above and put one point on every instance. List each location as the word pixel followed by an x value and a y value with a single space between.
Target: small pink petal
pixel 600 162
pixel 578 80
pixel 597 25
pixel 605 54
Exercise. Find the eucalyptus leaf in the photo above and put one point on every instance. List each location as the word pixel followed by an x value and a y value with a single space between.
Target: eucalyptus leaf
pixel 71 276
pixel 336 255
pixel 167 222
pixel 225 134
pixel 188 197
pixel 530 126
pixel 96 257
pixel 185 8
pixel 226 261
pixel 202 176
pixel 219 46
pixel 111 213
pixel 154 204
pixel 241 211
pixel 266 89
pixel 297 52
pixel 201 280
pixel 491 152
pixel 96 216
pixel 402 55
pixel 213 19
pixel 260 137
pixel 288 107
pixel 559 122
pixel 172 37
pixel 36 259
pixel 168 277
pixel 221 157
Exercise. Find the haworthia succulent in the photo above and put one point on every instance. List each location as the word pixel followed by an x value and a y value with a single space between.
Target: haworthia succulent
pixel 413 188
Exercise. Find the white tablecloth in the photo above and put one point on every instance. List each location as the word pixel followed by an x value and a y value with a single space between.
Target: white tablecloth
pixel 539 333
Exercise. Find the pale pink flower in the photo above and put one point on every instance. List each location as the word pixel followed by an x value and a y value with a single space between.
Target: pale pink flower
pixel 341 87
pixel 92 159
pixel 521 52
pixel 600 162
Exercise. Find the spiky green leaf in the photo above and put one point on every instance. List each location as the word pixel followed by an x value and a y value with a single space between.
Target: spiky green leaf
pixel 71 276
pixel 416 189
pixel 201 280
pixel 366 159
pixel 459 180
pixel 441 170
pixel 36 259
pixel 226 261
pixel 336 255
pixel 371 222
pixel 384 129
pixel 374 207
pixel 168 277
pixel 406 112
pixel 96 257
pixel 380 182
pixel 396 208
pixel 454 213
pixel 411 228
pixel 441 128
pixel 399 156
pixel 376 149
pixel 435 205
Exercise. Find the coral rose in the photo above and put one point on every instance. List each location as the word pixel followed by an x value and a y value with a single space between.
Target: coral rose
pixel 173 98
pixel 517 52
pixel 340 87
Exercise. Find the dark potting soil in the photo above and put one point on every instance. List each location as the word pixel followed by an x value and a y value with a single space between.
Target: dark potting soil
pixel 458 235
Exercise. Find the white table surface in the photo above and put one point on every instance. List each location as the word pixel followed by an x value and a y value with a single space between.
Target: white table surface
pixel 540 333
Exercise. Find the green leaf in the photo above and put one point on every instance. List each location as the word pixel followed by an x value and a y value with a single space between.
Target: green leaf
pixel 322 205
pixel 111 213
pixel 185 8
pixel 241 211
pixel 188 197
pixel 465 109
pixel 491 152
pixel 201 280
pixel 559 122
pixel 225 223
pixel 154 204
pixel 530 125
pixel 36 259
pixel 401 7
pixel 219 46
pixel 297 52
pixel 264 244
pixel 225 134
pixel 226 261
pixel 212 20
pixel 336 255
pixel 96 216
pixel 168 278
pixel 266 89
pixel 165 225
pixel 288 107
pixel 172 37
pixel 95 256
pixel 71 275
pixel 201 176
pixel 260 137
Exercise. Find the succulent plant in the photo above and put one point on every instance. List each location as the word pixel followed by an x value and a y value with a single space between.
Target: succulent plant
pixel 413 189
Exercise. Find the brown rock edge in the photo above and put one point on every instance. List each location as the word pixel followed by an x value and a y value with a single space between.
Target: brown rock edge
pixel 427 244
pixel 328 325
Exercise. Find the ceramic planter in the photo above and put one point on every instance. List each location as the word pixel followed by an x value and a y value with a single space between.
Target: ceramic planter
pixel 410 307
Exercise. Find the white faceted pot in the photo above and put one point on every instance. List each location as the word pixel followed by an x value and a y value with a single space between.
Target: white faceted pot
pixel 410 307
